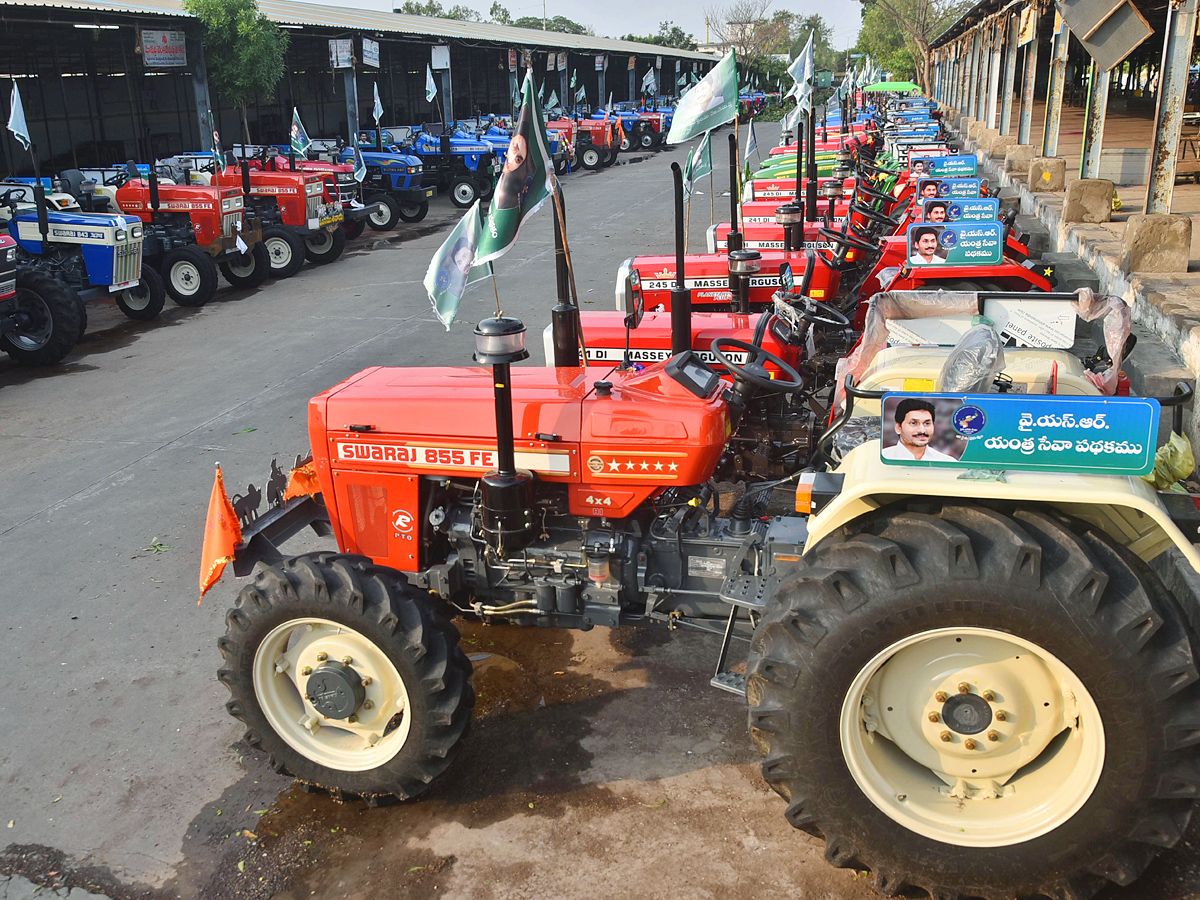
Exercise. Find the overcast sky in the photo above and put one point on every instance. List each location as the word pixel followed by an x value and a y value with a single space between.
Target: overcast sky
pixel 617 17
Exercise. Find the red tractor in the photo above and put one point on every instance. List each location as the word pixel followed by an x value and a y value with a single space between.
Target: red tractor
pixel 594 141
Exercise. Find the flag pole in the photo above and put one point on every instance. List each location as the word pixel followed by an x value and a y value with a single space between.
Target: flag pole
pixel 496 288
pixel 687 228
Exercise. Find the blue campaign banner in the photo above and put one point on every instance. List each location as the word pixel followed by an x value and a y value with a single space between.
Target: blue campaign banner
pixel 967 209
pixel 944 166
pixel 970 244
pixel 949 187
pixel 1085 435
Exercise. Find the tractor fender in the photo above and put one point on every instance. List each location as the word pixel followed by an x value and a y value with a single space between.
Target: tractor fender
pixel 1127 509
pixel 710 238
pixel 623 284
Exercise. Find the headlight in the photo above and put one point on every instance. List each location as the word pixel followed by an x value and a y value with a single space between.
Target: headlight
pixel 227 205
pixel 414 170
pixel 122 234
pixel 237 203
pixel 11 254
pixel 315 188
pixel 136 232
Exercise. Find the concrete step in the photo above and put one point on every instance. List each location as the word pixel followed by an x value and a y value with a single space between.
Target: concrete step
pixel 1037 234
pixel 1072 272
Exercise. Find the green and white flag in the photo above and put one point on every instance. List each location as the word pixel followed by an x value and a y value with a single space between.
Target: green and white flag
pixel 377 109
pixel 455 267
pixel 360 165
pixel 699 164
pixel 695 78
pixel 525 182
pixel 751 143
pixel 553 101
pixel 300 139
pixel 682 79
pixel 16 119
pixel 712 102
pixel 430 84
pixel 802 73
pixel 541 91
pixel 581 94
pixel 574 72
pixel 649 83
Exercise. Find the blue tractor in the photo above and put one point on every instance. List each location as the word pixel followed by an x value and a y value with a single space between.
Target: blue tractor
pixel 458 164
pixel 396 183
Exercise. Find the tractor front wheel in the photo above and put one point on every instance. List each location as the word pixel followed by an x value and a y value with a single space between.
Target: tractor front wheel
pixel 285 250
pixel 250 269
pixel 610 157
pixel 561 165
pixel 591 158
pixel 347 676
pixel 190 275
pixel 145 301
pixel 463 192
pixel 626 142
pixel 978 703
pixel 51 321
pixel 354 229
pixel 647 138
pixel 414 212
pixel 386 215
pixel 323 247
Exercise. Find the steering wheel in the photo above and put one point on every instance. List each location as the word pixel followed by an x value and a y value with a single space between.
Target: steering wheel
pixel 880 170
pixel 873 194
pixel 872 214
pixel 753 371
pixel 117 180
pixel 6 199
pixel 819 313
pixel 847 240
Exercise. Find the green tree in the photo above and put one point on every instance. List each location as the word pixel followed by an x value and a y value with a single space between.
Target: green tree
pixel 557 23
pixel 919 21
pixel 244 51
pixel 433 8
pixel 669 35
pixel 883 40
pixel 500 15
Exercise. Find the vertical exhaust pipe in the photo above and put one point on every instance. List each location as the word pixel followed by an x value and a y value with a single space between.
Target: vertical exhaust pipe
pixel 734 241
pixel 246 178
pixel 292 159
pixel 681 297
pixel 810 205
pixel 564 317
pixel 153 180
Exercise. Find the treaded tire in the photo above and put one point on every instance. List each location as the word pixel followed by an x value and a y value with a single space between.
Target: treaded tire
pixel 285 249
pixel 256 274
pixel 1054 581
pixel 399 619
pixel 67 320
pixel 591 158
pixel 610 157
pixel 414 212
pixel 190 276
pixel 464 191
pixel 354 229
pixel 329 248
pixel 148 301
pixel 390 216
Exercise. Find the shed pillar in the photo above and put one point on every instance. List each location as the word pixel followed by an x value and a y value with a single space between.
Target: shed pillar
pixel 1172 91
pixel 1093 123
pixel 1054 91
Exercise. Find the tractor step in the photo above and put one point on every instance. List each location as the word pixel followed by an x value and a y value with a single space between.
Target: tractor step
pixel 748 591
pixel 730 681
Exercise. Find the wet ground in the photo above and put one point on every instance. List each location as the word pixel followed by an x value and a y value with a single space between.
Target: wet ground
pixel 601 764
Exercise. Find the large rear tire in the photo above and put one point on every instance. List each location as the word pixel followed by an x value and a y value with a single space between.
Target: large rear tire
pixel 343 624
pixel 145 301
pixel 323 247
pixel 610 157
pixel 190 275
pixel 1061 675
pixel 54 321
pixel 285 249
pixel 354 229
pixel 250 269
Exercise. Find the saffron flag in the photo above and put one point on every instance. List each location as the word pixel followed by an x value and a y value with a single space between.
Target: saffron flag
pixel 222 534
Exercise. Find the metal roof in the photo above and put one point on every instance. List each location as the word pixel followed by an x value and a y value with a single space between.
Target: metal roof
pixel 289 12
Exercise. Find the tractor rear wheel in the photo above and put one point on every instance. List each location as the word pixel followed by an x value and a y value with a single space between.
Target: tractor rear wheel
pixel 323 247
pixel 978 703
pixel 250 269
pixel 464 192
pixel 591 158
pixel 561 165
pixel 145 301
pixel 647 138
pixel 190 275
pixel 414 212
pixel 354 229
pixel 285 250
pixel 610 157
pixel 626 142
pixel 348 677
pixel 51 314
pixel 386 216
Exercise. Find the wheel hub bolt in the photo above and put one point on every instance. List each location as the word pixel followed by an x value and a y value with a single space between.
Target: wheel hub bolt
pixel 964 688
pixel 352 719
pixel 366 680
pixel 934 717
pixel 989 696
pixel 322 656
pixel 941 696
pixel 970 745
pixel 993 736
pixel 1001 716
pixel 346 660
pixel 947 737
pixel 307 670
pixel 367 704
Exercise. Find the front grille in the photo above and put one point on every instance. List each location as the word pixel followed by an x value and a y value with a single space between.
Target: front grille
pixel 314 203
pixel 128 263
pixel 229 223
pixel 347 191
pixel 8 286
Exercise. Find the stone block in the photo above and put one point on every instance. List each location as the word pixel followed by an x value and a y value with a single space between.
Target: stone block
pixel 1157 243
pixel 1001 145
pixel 1018 157
pixel 986 138
pixel 977 128
pixel 964 124
pixel 1047 174
pixel 1088 200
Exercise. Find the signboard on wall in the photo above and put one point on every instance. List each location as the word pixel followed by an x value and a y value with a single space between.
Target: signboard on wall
pixel 632 62
pixel 601 60
pixel 341 53
pixel 551 61
pixel 562 61
pixel 1025 29
pixel 1108 29
pixel 512 60
pixel 440 56
pixel 370 55
pixel 161 49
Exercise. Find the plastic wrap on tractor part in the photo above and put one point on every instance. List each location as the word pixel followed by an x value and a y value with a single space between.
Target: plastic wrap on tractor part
pixel 973 363
pixel 1173 462
pixel 1117 325
pixel 856 431
pixel 888 305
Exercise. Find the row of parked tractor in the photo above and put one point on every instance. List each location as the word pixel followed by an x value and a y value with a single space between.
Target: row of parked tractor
pixel 139 233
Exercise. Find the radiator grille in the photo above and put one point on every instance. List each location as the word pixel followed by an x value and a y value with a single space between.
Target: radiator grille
pixel 128 262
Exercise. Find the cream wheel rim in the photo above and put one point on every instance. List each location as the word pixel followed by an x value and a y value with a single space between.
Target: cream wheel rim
pixel 972 737
pixel 284 662
pixel 185 277
pixel 280 252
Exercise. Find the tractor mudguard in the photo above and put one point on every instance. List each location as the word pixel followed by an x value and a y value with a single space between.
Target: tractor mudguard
pixel 1126 509
pixel 262 536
